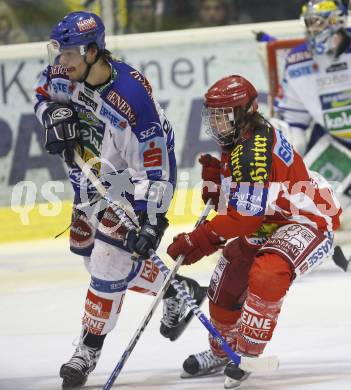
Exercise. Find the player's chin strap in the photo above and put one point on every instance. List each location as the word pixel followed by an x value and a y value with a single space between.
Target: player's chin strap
pixel 89 66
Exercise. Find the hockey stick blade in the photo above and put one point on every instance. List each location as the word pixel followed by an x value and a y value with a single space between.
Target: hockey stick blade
pixel 262 364
pixel 254 364
pixel 340 259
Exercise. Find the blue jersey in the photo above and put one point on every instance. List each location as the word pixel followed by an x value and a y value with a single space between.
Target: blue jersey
pixel 317 88
pixel 121 124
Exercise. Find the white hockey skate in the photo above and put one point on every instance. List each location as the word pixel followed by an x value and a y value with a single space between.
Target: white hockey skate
pixel 234 376
pixel 75 372
pixel 201 364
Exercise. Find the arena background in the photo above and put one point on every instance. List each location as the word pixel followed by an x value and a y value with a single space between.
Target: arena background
pixel 35 195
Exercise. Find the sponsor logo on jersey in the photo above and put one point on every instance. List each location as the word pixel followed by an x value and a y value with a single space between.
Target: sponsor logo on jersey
pixel 255 327
pixel 111 115
pixel 86 24
pixel 235 155
pixel 216 279
pixel 336 99
pixel 89 118
pixel 337 67
pixel 293 58
pixel 322 251
pixel 107 286
pixel 91 139
pixel 256 321
pixel 332 80
pixel 338 120
pixel 283 149
pixel 80 232
pixel 317 256
pixel 144 81
pixel 249 199
pixel 166 125
pixel 57 70
pixel 248 202
pixel 93 326
pixel 112 226
pixel 151 132
pixel 259 171
pixel 293 241
pixel 59 86
pixel 152 157
pixel 150 271
pixel 87 101
pixel 303 70
pixel 122 106
pixel 97 306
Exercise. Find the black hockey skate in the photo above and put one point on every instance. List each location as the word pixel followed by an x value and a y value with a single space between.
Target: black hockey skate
pixel 75 372
pixel 176 315
pixel 203 363
pixel 234 376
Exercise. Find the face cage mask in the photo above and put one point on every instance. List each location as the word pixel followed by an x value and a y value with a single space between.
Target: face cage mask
pixel 220 125
pixel 320 31
pixel 54 52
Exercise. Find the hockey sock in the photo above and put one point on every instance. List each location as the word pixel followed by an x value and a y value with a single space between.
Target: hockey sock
pixel 92 340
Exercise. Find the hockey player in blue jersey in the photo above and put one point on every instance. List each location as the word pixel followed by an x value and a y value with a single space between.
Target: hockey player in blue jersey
pixel 316 93
pixel 90 102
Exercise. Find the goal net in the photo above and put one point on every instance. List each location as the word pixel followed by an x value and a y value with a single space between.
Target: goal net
pixel 272 55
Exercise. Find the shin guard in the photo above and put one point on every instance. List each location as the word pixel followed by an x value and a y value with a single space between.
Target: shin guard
pixel 226 322
pixel 256 325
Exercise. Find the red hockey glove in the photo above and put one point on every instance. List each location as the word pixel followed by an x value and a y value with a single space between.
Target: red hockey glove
pixel 210 173
pixel 199 243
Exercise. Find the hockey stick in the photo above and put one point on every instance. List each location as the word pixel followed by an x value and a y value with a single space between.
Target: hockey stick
pixel 161 292
pixel 263 364
pixel 340 259
pixel 86 169
pixel 249 364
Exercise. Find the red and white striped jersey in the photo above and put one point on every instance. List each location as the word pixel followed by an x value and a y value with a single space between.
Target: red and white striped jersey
pixel 269 185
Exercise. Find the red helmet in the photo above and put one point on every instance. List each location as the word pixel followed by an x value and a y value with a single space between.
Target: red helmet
pixel 226 106
pixel 231 91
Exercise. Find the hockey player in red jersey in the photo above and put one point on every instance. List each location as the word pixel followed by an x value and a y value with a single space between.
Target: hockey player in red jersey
pixel 280 217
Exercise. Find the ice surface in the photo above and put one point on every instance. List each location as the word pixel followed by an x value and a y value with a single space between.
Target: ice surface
pixel 42 290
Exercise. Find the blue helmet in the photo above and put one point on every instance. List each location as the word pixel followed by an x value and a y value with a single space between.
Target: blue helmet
pixel 79 29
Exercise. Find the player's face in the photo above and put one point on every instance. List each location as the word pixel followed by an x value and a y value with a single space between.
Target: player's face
pixel 315 24
pixel 74 62
pixel 218 123
pixel 219 120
